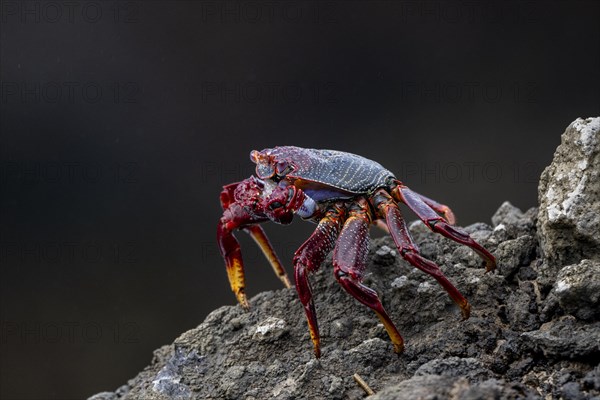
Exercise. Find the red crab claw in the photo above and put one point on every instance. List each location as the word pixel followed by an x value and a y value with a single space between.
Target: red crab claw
pixel 245 205
pixel 281 205
pixel 240 210
pixel 234 217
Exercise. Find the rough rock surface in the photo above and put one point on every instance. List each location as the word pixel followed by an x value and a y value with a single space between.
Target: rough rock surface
pixel 569 196
pixel 577 290
pixel 532 333
pixel 505 350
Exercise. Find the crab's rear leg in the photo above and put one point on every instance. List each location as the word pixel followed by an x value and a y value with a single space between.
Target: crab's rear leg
pixel 389 210
pixel 439 208
pixel 349 260
pixel 437 224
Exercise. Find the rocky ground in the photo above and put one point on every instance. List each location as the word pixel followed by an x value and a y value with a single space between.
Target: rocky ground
pixel 534 330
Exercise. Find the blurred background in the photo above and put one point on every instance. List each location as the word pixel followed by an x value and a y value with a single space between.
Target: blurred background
pixel 121 120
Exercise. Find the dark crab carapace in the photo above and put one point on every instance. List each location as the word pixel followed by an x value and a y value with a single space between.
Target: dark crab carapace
pixel 344 194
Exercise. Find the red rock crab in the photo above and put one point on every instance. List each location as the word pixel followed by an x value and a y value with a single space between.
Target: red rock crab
pixel 344 194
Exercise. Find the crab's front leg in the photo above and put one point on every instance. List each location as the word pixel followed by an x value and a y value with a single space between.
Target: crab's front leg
pixel 349 260
pixel 308 258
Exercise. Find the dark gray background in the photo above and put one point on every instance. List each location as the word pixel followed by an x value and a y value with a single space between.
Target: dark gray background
pixel 120 122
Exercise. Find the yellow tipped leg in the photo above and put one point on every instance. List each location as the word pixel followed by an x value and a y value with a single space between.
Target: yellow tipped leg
pixel 368 297
pixel 231 252
pixel 393 333
pixel 258 234
pixel 465 309
pixel 305 295
pixel 237 280
pixel 307 259
pixel 314 336
pixel 349 258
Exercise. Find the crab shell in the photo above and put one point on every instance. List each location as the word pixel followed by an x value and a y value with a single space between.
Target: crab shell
pixel 323 175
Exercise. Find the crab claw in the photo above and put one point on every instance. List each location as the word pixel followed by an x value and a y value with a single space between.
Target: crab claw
pixel 285 201
pixel 246 204
pixel 232 253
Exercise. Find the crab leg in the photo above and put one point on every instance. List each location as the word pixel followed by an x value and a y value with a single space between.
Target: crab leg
pixel 260 238
pixel 410 252
pixel 349 260
pixel 439 208
pixel 437 224
pixel 307 259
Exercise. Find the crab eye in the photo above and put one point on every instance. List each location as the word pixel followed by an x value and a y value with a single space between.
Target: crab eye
pixel 275 205
pixel 264 171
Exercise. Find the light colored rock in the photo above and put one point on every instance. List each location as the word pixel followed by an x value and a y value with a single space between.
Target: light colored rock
pixel 569 197
pixel 270 329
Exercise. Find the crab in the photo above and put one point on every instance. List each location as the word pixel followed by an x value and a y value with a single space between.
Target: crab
pixel 344 194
